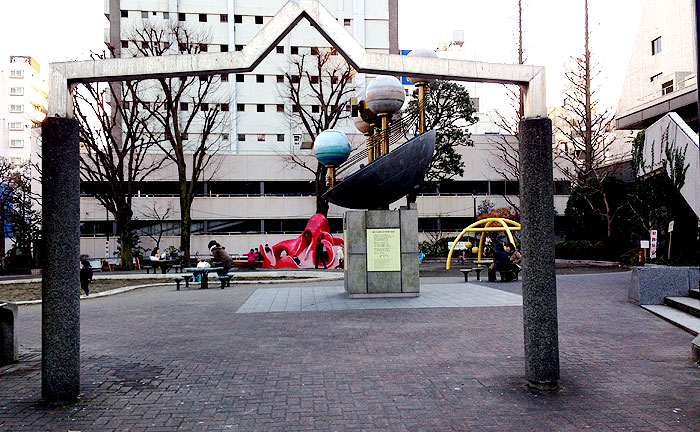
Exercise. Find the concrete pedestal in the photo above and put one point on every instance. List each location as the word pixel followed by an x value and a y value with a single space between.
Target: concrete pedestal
pixel 60 291
pixel 381 253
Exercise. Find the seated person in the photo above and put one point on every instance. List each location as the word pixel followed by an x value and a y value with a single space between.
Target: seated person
pixel 220 255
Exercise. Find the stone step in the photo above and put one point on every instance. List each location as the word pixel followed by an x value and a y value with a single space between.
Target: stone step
pixel 687 322
pixel 686 304
pixel 694 293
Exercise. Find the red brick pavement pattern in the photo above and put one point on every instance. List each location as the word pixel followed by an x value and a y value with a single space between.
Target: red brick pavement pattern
pixel 388 370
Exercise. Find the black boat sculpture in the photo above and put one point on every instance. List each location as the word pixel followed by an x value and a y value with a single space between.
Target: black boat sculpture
pixel 386 179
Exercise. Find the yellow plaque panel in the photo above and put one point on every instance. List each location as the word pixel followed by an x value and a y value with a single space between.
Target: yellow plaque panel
pixel 384 250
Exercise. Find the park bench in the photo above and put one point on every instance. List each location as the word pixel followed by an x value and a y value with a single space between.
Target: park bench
pixel 184 278
pixel 225 280
pixel 8 333
pixel 466 272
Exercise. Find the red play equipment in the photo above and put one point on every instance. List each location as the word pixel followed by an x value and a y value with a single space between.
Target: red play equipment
pixel 303 248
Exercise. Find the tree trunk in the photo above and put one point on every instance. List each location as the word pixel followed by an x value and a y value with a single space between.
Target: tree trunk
pixel 321 188
pixel 125 237
pixel 185 227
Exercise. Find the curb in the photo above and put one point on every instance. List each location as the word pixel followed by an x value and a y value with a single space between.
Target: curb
pixel 308 277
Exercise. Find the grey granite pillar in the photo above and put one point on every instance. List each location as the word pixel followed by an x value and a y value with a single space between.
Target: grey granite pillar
pixel 60 312
pixel 8 333
pixel 539 281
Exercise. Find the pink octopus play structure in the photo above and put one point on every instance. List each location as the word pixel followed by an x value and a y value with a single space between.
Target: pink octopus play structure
pixel 303 248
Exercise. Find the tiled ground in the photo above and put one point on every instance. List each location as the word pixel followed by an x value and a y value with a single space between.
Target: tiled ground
pixel 323 298
pixel 162 360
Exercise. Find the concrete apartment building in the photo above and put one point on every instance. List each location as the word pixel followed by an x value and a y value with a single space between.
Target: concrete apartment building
pixel 662 73
pixel 23 102
pixel 253 196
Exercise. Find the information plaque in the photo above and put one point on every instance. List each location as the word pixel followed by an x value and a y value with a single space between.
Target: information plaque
pixel 383 250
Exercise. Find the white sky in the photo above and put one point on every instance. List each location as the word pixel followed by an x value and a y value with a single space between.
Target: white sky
pixel 61 30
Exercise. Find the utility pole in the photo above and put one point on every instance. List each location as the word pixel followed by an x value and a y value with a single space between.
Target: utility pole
pixel 588 161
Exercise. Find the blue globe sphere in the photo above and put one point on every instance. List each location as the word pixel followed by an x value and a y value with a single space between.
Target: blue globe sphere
pixel 332 147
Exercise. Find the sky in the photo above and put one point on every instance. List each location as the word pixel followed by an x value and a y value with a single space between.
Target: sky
pixel 52 30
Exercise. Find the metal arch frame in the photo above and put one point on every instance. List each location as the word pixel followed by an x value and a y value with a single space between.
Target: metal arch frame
pixel 65 75
pixel 504 226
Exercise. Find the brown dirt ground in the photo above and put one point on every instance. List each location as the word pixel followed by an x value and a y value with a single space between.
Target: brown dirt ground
pixel 32 291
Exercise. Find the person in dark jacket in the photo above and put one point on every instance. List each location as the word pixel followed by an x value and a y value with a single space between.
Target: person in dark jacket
pixel 85 276
pixel 220 255
pixel 320 253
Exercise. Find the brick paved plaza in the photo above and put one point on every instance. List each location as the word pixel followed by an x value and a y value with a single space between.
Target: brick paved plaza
pixel 160 360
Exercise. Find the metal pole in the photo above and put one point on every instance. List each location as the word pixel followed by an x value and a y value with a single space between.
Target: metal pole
pixel 370 146
pixel 421 107
pixel 385 134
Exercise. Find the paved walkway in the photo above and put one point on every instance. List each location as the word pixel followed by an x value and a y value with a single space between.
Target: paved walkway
pixel 306 299
pixel 161 360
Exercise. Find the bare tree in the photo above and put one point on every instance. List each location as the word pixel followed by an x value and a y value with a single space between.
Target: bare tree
pixel 319 88
pixel 17 215
pixel 189 113
pixel 586 126
pixel 154 213
pixel 115 157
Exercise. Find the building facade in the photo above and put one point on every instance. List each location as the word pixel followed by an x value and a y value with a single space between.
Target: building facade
pixel 23 102
pixel 251 195
pixel 662 73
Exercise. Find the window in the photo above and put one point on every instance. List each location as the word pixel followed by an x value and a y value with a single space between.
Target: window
pixel 334 79
pixel 224 48
pixel 280 49
pixel 16 143
pixel 16 108
pixel 667 87
pixel 224 107
pixel 240 78
pixel 182 47
pixel 656 46
pixel 183 106
pixel 280 78
pixel 185 137
pixel 294 50
pixel 144 45
pixel 146 104
pixel 224 137
pixel 260 78
pixel 315 109
pixel 144 14
pixel 125 14
pixel 127 105
pixel 314 79
pixel 655 77
pixel 224 78
pixel 261 108
pixel 280 137
pixel 16 126
pixel 240 107
pixel 295 108
pixel 16 91
pixel 125 44
pixel 223 18
pixel 239 47
pixel 315 51
pixel 203 78
pixel 203 48
pixel 280 108
pixel 258 20
pixel 295 79
pixel 166 15
pixel 346 22
pixel 241 137
pixel 261 137
pixel 202 17
pixel 238 19
pixel 16 73
pixel 181 17
pixel 205 107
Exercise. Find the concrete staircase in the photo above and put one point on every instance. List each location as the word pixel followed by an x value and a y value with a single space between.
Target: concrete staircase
pixel 683 312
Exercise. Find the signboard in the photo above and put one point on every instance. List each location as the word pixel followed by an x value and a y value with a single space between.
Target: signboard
pixel 670 226
pixel 107 249
pixel 644 244
pixel 383 250
pixel 652 249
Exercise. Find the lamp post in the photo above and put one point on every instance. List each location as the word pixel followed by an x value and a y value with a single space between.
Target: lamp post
pixel 385 96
